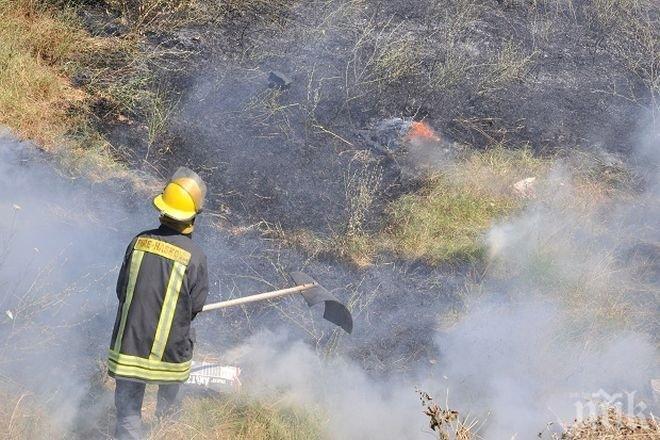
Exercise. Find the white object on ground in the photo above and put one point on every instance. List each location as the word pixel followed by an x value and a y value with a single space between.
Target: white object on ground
pixel 212 375
pixel 525 187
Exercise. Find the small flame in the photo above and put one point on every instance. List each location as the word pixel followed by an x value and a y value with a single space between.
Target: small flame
pixel 420 130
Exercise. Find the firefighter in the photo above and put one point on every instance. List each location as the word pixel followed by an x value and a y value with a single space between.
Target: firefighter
pixel 162 285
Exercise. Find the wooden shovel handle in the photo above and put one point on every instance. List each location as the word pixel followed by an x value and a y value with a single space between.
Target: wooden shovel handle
pixel 258 297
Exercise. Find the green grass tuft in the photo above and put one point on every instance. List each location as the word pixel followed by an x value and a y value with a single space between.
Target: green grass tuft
pixel 444 221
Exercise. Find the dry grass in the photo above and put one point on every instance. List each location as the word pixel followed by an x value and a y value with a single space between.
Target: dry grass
pixel 398 58
pixel 612 425
pixel 233 418
pixel 454 61
pixel 448 424
pixel 510 64
pixel 158 117
pixel 229 417
pixel 210 416
pixel 443 222
pixel 358 249
pixel 360 186
pixel 40 46
pixel 149 14
pixel 596 292
pixel 36 43
pixel 21 417
pixel 382 55
pixel 630 31
pixel 352 242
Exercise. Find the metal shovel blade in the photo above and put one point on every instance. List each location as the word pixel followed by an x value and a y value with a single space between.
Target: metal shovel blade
pixel 335 312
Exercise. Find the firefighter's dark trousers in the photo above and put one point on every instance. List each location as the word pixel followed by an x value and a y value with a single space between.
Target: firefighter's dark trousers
pixel 128 402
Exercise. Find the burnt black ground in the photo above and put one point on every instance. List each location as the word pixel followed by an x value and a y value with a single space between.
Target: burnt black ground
pixel 283 156
pixel 394 306
pixel 265 153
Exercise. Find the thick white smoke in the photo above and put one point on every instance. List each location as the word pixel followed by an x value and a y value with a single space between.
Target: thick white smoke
pixel 569 309
pixel 566 313
pixel 544 330
pixel 61 241
pixel 357 406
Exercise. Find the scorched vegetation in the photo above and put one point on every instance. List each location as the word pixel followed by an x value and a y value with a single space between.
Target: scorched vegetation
pixel 441 164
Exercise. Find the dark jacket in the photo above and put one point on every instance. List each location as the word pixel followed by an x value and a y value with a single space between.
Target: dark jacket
pixel 162 285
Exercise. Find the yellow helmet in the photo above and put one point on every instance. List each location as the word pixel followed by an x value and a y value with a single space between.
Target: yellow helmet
pixel 183 196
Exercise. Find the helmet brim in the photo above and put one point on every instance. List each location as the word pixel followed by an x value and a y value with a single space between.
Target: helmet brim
pixel 168 211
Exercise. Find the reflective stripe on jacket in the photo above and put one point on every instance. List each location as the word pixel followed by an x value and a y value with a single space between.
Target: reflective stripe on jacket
pixel 162 285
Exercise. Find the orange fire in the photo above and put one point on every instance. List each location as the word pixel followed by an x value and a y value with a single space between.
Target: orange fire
pixel 420 130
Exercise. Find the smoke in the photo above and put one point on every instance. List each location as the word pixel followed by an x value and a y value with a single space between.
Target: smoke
pixel 60 238
pixel 565 316
pixel 509 366
pixel 567 308
pixel 569 303
pixel 516 362
pixel 356 406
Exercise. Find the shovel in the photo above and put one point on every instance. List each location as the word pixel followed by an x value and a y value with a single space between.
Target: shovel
pixel 313 292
